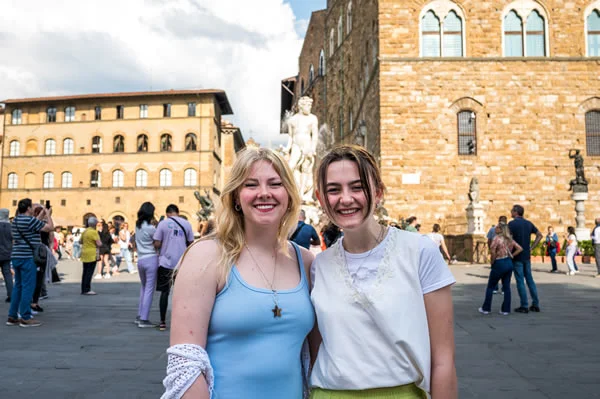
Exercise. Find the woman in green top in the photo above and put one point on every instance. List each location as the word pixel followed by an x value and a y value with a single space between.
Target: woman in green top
pixel 90 240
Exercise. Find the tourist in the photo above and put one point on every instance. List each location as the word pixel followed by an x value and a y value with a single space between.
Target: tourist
pixel 147 261
pixel 6 245
pixel 596 243
pixel 521 230
pixel 502 251
pixel 44 269
pixel 571 250
pixel 552 248
pixel 244 292
pixel 382 296
pixel 26 234
pixel 104 251
pixel 91 243
pixel 438 238
pixel 69 245
pixel 172 237
pixel 411 224
pixel 490 237
pixel 60 238
pixel 305 235
pixel 77 244
pixel 125 245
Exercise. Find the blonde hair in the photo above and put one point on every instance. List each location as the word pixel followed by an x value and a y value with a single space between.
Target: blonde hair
pixel 504 231
pixel 230 222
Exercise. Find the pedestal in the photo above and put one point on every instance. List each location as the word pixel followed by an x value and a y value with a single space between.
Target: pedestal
pixel 580 229
pixel 475 219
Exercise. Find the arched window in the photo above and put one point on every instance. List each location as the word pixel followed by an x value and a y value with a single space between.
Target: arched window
pixel 50 147
pixel 70 114
pixel 593 34
pixel 141 178
pixel 67 180
pixel 191 142
pixel 311 74
pixel 467 133
pixel 189 177
pixel 430 33
pixel 513 35
pixel 165 178
pixel 14 148
pixel 119 144
pixel 331 46
pixel 340 31
pixel 452 38
pixel 48 180
pixel 142 143
pixel 592 132
pixel 95 178
pixel 322 63
pixel 13 181
pixel 17 115
pixel 349 18
pixel 68 145
pixel 165 142
pixel 97 144
pixel 118 178
pixel 535 45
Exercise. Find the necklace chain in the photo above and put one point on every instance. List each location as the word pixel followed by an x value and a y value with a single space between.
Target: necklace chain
pixel 276 310
pixel 378 240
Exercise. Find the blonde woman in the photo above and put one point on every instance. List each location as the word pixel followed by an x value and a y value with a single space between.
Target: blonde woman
pixel 243 293
pixel 502 251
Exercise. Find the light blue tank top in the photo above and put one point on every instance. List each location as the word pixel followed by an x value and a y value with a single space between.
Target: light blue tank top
pixel 255 355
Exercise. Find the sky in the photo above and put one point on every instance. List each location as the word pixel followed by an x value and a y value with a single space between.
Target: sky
pixel 244 47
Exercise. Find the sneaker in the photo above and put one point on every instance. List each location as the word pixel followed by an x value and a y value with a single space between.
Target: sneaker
pixel 521 309
pixel 162 326
pixel 480 310
pixel 503 313
pixel 33 311
pixel 29 323
pixel 98 276
pixel 576 271
pixel 553 271
pixel 496 292
pixel 534 308
pixel 137 320
pixel 36 308
pixel 571 273
pixel 12 322
pixel 106 276
pixel 147 324
pixel 133 272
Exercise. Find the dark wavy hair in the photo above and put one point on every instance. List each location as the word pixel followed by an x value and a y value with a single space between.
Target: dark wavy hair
pixel 145 214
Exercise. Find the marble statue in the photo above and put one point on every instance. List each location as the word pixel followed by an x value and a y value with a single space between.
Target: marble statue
pixel 474 190
pixel 303 130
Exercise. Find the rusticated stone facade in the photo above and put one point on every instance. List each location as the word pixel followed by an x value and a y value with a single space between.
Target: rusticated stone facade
pixel 525 112
pixel 54 158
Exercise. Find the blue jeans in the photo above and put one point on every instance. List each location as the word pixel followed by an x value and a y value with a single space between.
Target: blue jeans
pixel 126 254
pixel 501 270
pixel 552 255
pixel 25 272
pixel 8 278
pixel 523 274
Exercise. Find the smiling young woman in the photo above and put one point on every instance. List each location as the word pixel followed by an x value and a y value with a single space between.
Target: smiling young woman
pixel 382 296
pixel 242 294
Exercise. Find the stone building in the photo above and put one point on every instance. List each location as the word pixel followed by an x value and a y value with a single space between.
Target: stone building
pixel 107 153
pixel 443 91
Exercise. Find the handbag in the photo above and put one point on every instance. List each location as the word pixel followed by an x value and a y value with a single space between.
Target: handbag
pixel 40 254
pixel 187 243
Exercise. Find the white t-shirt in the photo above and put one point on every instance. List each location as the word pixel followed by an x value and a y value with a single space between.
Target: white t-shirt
pixel 573 240
pixel 433 271
pixel 436 237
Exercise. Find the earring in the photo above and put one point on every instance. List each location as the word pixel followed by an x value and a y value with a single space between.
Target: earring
pixel 237 207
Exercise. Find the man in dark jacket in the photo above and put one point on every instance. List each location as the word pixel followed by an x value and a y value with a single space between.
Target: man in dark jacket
pixel 5 251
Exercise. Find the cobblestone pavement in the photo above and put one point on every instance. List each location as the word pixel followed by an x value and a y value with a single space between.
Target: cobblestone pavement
pixel 89 347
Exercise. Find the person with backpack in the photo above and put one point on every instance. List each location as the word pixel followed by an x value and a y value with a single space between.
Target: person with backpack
pixel 305 235
pixel 552 248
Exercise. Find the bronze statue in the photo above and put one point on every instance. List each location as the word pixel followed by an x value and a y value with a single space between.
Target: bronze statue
pixel 579 183
pixel 207 205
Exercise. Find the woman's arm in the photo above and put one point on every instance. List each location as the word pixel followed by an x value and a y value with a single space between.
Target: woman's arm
pixel 438 305
pixel 193 299
pixel 314 337
pixel 443 245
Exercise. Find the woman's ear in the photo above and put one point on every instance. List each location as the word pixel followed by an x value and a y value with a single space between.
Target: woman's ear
pixel 318 195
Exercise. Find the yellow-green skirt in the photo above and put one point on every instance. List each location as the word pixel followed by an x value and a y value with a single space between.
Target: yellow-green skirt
pixel 410 391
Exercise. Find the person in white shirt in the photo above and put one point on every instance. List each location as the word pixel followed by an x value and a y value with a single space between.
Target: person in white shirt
pixel 571 250
pixel 596 244
pixel 438 238
pixel 382 296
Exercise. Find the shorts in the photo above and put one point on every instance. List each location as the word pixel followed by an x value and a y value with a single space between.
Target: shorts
pixel 164 279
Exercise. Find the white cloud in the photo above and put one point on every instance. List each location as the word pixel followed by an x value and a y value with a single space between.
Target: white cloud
pixel 72 46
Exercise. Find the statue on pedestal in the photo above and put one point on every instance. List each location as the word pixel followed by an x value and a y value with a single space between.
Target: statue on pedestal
pixel 475 212
pixel 579 184
pixel 303 130
pixel 474 190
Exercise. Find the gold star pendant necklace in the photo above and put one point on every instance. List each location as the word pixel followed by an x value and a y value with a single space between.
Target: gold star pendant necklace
pixel 276 310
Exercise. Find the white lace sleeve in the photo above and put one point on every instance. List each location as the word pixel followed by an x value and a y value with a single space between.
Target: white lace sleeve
pixel 186 362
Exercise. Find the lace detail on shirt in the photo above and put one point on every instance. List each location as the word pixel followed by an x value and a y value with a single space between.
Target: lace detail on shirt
pixel 186 363
pixel 384 271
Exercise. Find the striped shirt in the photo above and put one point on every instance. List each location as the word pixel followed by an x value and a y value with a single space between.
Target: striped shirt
pixel 30 228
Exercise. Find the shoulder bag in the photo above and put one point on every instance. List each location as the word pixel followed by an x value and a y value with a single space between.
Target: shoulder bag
pixel 188 243
pixel 40 254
